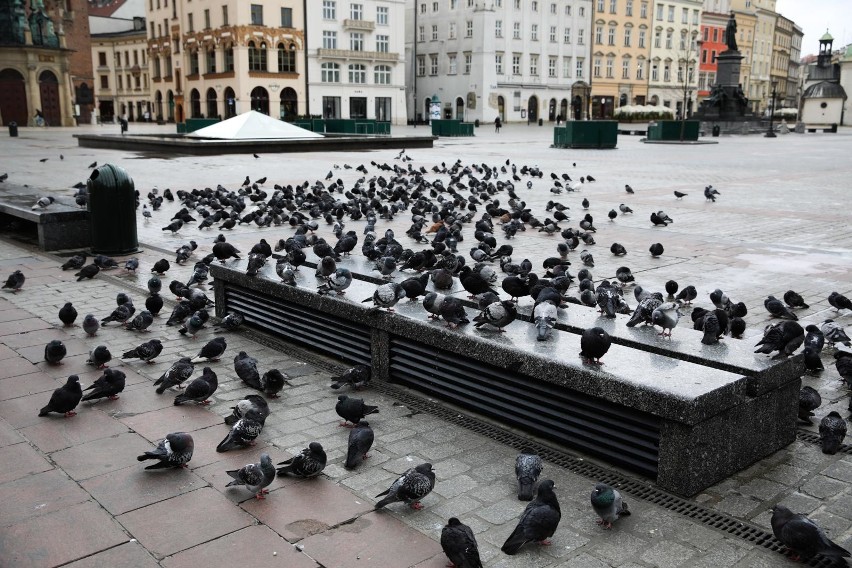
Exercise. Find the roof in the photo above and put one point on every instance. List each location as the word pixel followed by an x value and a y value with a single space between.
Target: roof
pixel 252 125
pixel 826 37
pixel 848 55
pixel 824 90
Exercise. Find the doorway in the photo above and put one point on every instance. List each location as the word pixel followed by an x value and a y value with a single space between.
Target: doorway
pixel 48 86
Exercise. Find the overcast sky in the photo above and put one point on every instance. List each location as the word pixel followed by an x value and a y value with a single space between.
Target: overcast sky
pixel 814 16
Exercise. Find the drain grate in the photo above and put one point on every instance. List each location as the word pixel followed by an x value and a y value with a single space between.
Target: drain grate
pixel 813 438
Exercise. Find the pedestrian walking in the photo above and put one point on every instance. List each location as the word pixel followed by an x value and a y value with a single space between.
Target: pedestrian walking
pixel 39 118
pixel 497 124
pixel 123 122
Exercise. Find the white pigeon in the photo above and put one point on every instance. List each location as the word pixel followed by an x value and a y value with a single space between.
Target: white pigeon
pixel 43 202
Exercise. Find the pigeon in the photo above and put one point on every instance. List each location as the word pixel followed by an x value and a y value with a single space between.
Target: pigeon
pixel 624 275
pixel 15 281
pixel 243 432
pixel 644 311
pixel 67 314
pixel 309 463
pixel 360 441
pixel 802 536
pixel 253 402
pixel 608 504
pixel 528 467
pixel 179 372
pixel 76 262
pixel 246 368
pixel 54 352
pixel 624 208
pixel 411 487
pixel 656 250
pixel 594 343
pixel 687 295
pixel 737 327
pixel 107 385
pixel 199 389
pixel 104 262
pixel 834 333
pixel 64 399
pixel 254 476
pixel 794 300
pixel 91 325
pixel 671 288
pixel 272 382
pixel 843 364
pixel 680 194
pixel 256 261
pixel 432 303
pixel 99 356
pixel 839 301
pixel 618 249
pixel 784 337
pixel 587 258
pixel 161 266
pixel 538 522
pixel 147 351
pixel 141 322
pixel 777 309
pixel 120 314
pixel 657 220
pixel 459 544
pixel 43 202
pixel 88 272
pixel 353 409
pixel 544 316
pixel 230 322
pixel 193 324
pixel 386 296
pixel 212 351
pixel 338 282
pixel 832 430
pixel 356 377
pixel 453 312
pixel 710 325
pixel 93 165
pixel 174 226
pixel 809 400
pixel 666 316
pixel 497 314
pixel 224 251
pixel 710 193
pixel 175 450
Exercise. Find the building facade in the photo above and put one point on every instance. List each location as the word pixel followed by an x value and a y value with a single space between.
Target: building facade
pixel 746 23
pixel 712 43
pixel 673 78
pixel 779 71
pixel 518 60
pixel 794 93
pixel 622 34
pixel 219 59
pixel 356 59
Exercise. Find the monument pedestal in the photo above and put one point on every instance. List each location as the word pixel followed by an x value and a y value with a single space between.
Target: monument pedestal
pixel 727 105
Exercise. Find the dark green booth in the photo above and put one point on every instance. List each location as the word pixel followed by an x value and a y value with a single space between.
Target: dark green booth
pixel 451 127
pixel 671 129
pixel 586 134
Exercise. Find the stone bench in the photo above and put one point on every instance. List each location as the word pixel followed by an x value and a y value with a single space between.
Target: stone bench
pixel 60 226
pixel 674 419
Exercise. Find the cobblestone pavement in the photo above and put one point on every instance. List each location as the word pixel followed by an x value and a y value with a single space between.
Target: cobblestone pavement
pixel 72 492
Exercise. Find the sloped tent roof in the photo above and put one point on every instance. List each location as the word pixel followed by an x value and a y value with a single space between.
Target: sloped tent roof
pixel 824 90
pixel 253 125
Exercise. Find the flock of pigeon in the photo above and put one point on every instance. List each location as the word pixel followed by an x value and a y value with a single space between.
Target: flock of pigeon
pixel 440 213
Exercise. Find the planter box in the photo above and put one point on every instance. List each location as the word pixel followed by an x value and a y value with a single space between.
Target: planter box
pixel 586 134
pixel 670 130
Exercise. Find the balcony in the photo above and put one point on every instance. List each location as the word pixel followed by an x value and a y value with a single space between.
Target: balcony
pixel 360 55
pixel 367 25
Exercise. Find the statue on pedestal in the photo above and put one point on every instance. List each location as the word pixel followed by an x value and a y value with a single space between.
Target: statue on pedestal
pixel 731 33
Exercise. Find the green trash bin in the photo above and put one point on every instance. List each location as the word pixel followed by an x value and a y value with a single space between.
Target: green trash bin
pixel 112 211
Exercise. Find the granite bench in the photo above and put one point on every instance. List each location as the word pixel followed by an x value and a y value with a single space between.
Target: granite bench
pixel 685 418
pixel 60 226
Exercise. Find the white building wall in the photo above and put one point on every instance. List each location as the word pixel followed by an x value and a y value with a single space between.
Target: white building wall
pixel 670 92
pixel 813 113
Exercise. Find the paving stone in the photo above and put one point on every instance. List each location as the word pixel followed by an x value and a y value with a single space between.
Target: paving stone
pixel 737 505
pixel 762 489
pixel 841 470
pixel 618 547
pixel 20 460
pixel 182 418
pixel 88 425
pixel 667 555
pixel 129 554
pixel 204 516
pixel 134 487
pixel 38 494
pixel 502 512
pixel 822 487
pixel 216 473
pixel 101 456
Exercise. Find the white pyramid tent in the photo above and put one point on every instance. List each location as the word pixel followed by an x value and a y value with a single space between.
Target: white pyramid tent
pixel 253 125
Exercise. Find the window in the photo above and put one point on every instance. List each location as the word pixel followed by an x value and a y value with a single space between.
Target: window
pixel 498 63
pixel 667 73
pixel 468 62
pixel 257 14
pixel 534 32
pixel 580 34
pixel 715 35
pixel 566 67
pixel 468 32
pixel 600 6
pixel 286 59
pixel 423 8
pixel 596 67
pixel 451 31
pixel 516 30
pixel 655 73
pixel 329 12
pixel 628 8
pixel 669 35
pixel 102 59
pixel 551 67
pixel 658 36
pixel 642 39
pixel 382 75
pixel 640 71
pixel 627 33
pixel 434 6
pixel 613 6
pixel 286 17
pixel 498 28
pixel 516 64
pixel 433 64
pixel 566 36
pixel 598 34
pixel 357 73
pixel 229 58
pixel 329 40
pixel 382 43
pixel 517 4
pixel 568 9
pixel 552 34
pixel 580 65
pixel 434 32
pixel 534 6
pixel 120 82
pixel 625 68
pixel 421 65
pixel 643 10
pixel 356 41
pixel 660 12
pixel 610 62
pixel 330 73
pixel 684 15
pixel 695 17
pixel 453 64
pixel 207 19
pixel 104 82
pixel 224 15
pixel 683 39
pixel 152 31
pixel 382 15
pixel 454 4
pixel 189 24
pixel 356 12
pixel 257 57
pixel 671 13
pixel 193 64
pixel 421 33
pixel 703 56
pixel 534 65
pixel 210 63
pixel 582 11
pixel 553 8
pixel 610 35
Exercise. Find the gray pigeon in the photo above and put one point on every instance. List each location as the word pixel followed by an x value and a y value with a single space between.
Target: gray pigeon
pixel 107 385
pixel 607 503
pixel 254 476
pixel 99 356
pixel 147 351
pixel 353 410
pixel 432 303
pixel 411 487
pixel 809 400
pixel 538 522
pixel 212 351
pixel 338 282
pixel 528 467
pixel 386 296
pixel 309 463
pixel 76 262
pixel 645 310
pixel 91 325
pixel 834 334
pixel 784 337
pixel 243 432
pixel 832 431
pixel 544 316
pixel 839 301
pixel 711 327
pixel 179 372
pixel 777 309
pixel 794 300
pixel 255 263
pixel 67 314
pixel 230 322
pixel 356 377
pixel 666 316
pixel 459 544
pixel 199 389
pixel 246 368
pixel 64 399
pixel 120 314
pixel 360 441
pixel 141 322
pixel 175 450
pixel 286 272
pixel 803 536
pixel 54 352
pixel 498 314
pixel 193 324
pixel 250 402
pixel 15 281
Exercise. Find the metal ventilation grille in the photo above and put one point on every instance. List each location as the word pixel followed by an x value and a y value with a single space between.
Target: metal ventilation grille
pixel 618 434
pixel 337 338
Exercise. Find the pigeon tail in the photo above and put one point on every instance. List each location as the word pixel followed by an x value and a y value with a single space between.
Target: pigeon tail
pixel 525 489
pixel 515 541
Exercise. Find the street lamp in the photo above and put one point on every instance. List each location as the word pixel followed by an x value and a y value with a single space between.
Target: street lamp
pixel 771 133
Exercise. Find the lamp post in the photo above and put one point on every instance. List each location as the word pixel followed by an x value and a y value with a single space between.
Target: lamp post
pixel 771 133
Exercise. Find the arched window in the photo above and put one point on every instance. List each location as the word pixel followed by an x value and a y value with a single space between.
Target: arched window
pixel 158 105
pixel 212 106
pixel 230 103
pixel 229 58
pixel 257 56
pixel 382 75
pixel 289 104
pixel 357 73
pixel 195 103
pixel 260 100
pixel 286 58
pixel 210 57
pixel 330 73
